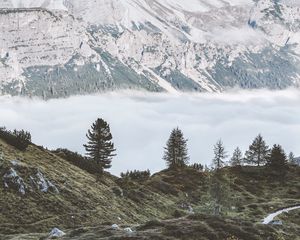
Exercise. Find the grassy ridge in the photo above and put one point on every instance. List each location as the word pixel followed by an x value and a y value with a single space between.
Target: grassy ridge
pixel 90 206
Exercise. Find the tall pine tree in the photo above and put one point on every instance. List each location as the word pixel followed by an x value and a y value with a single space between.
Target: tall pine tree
pixel 100 147
pixel 258 152
pixel 220 155
pixel 176 152
pixel 237 157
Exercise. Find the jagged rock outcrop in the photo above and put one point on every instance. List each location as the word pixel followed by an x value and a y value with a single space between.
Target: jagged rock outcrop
pixel 23 179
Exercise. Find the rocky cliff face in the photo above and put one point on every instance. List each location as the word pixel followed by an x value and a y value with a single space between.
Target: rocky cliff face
pixel 89 46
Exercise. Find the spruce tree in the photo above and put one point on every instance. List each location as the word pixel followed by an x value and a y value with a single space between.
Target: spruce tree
pixel 237 157
pixel 220 155
pixel 100 147
pixel 292 159
pixel 258 152
pixel 219 189
pixel 277 159
pixel 176 152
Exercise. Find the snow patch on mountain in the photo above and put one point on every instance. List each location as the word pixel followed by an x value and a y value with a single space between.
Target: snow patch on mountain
pixel 279 22
pixel 50 4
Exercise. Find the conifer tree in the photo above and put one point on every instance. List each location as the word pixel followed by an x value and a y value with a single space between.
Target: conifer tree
pixel 100 147
pixel 292 159
pixel 237 157
pixel 219 189
pixel 277 159
pixel 258 152
pixel 176 152
pixel 220 155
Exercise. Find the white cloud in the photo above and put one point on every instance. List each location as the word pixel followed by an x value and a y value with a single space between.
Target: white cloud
pixel 141 122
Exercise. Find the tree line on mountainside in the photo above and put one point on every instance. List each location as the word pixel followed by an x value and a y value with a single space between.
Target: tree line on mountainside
pixel 100 151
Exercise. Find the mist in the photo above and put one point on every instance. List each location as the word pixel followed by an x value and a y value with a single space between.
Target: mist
pixel 141 122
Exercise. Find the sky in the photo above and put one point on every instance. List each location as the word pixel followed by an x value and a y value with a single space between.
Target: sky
pixel 141 122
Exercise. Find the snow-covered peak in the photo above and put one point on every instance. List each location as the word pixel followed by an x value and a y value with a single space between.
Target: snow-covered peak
pixel 175 18
pixel 173 45
pixel 291 2
pixel 279 20
pixel 130 12
pixel 49 4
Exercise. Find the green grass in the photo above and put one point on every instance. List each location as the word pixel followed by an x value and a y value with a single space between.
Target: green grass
pixel 81 195
pixel 95 205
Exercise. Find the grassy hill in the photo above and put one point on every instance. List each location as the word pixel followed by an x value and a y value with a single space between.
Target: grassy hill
pixel 80 195
pixel 59 194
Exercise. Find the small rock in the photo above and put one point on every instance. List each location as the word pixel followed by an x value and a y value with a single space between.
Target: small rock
pixel 276 222
pixel 115 227
pixel 12 179
pixel 128 230
pixel 55 232
pixel 191 210
pixel 15 162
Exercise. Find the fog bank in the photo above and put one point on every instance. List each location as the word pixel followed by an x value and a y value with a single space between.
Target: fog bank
pixel 141 122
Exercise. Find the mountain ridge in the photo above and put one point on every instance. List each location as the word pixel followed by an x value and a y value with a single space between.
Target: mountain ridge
pixel 151 45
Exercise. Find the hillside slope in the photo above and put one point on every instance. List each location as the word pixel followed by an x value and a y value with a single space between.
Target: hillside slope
pixel 40 191
pixel 72 192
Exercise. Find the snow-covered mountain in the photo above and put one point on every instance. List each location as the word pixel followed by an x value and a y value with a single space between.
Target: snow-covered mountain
pixel 54 48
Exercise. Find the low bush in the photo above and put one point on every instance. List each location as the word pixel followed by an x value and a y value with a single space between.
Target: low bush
pixel 136 175
pixel 19 139
pixel 78 160
pixel 178 213
pixel 197 166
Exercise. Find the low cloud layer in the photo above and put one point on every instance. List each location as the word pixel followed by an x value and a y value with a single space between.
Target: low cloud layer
pixel 141 122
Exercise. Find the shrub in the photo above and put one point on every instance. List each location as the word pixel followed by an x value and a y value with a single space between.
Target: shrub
pixel 118 191
pixel 136 175
pixel 78 160
pixel 197 166
pixel 178 213
pixel 19 139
